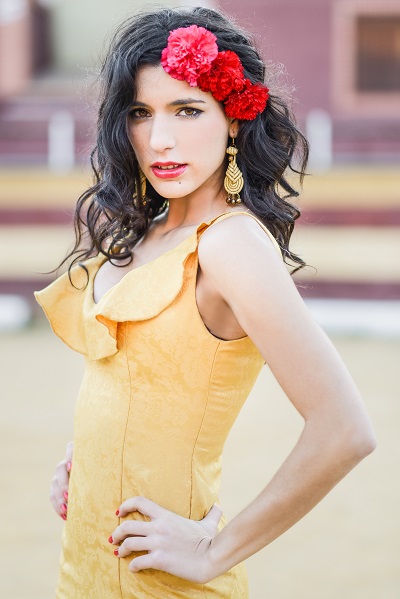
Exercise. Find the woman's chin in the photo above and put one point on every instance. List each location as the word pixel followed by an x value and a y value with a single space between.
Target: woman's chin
pixel 171 192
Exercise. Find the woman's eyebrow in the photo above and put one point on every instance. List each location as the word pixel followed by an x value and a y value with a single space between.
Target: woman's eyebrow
pixel 180 102
pixel 186 101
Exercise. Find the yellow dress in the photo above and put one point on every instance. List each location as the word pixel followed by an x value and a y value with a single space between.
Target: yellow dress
pixel 159 396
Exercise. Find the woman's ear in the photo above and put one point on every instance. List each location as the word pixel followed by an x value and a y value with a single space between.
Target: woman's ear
pixel 234 128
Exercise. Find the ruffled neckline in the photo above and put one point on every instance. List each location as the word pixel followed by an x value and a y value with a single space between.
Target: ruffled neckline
pixel 141 294
pixel 101 259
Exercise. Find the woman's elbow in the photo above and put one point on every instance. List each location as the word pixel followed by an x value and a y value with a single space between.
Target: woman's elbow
pixel 368 443
pixel 361 440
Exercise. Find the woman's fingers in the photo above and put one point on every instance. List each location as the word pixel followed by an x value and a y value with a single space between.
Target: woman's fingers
pixel 60 483
pixel 140 504
pixel 62 476
pixel 174 544
pixel 130 528
pixel 141 563
pixel 133 544
pixel 57 498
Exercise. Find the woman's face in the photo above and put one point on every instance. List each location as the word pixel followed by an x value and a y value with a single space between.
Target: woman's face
pixel 179 134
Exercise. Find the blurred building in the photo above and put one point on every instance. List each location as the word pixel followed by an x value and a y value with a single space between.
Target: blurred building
pixel 343 57
pixel 50 51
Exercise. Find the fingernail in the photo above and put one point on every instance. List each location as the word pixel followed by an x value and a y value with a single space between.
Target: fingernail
pixel 69 466
pixel 117 513
pixel 64 516
pixel 115 551
pixel 110 539
pixel 64 507
pixel 65 494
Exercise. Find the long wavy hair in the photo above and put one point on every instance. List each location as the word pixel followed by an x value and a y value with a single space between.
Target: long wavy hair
pixel 110 215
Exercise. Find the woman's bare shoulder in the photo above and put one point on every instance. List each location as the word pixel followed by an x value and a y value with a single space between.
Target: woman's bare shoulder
pixel 241 232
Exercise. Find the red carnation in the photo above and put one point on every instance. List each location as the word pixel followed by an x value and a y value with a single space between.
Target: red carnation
pixel 189 53
pixel 247 103
pixel 225 76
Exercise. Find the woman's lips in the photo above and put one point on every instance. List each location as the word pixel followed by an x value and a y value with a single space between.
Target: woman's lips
pixel 168 171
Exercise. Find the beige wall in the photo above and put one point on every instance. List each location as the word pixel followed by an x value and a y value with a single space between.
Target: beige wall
pixel 81 27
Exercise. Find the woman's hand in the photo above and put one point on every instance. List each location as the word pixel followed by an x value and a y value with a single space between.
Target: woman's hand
pixel 60 482
pixel 174 544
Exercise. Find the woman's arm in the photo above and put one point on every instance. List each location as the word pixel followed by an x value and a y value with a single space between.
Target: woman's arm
pixel 241 264
pixel 337 432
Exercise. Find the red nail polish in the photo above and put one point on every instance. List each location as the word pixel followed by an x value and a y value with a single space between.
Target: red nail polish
pixel 69 466
pixel 65 495
pixel 115 551
pixel 64 516
pixel 110 539
pixel 64 507
pixel 117 513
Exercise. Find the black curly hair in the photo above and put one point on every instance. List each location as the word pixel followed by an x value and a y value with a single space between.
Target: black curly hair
pixel 270 146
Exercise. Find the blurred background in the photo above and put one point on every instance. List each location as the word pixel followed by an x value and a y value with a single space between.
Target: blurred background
pixel 343 59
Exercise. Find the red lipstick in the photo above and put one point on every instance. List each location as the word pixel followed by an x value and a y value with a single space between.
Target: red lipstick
pixel 168 170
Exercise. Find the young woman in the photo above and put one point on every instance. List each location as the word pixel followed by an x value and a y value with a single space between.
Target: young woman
pixel 181 297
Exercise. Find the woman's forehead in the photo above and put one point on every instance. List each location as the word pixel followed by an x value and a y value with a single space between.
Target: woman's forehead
pixel 154 85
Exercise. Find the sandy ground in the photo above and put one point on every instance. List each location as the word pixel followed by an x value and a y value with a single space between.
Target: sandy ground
pixel 347 548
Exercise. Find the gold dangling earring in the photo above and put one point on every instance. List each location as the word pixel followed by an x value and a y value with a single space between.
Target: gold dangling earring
pixel 233 182
pixel 142 181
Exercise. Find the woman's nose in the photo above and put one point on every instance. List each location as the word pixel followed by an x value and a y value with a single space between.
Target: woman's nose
pixel 161 137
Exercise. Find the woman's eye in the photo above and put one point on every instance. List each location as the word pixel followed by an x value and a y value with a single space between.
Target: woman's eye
pixel 189 112
pixel 142 113
pixel 139 113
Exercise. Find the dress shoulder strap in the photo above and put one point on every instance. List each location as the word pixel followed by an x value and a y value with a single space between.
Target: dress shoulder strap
pixel 244 212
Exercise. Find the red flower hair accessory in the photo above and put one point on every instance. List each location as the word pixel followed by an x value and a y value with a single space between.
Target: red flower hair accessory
pixel 247 103
pixel 224 77
pixel 189 53
pixel 192 55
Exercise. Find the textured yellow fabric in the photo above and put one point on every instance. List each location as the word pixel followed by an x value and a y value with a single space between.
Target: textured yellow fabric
pixel 159 396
